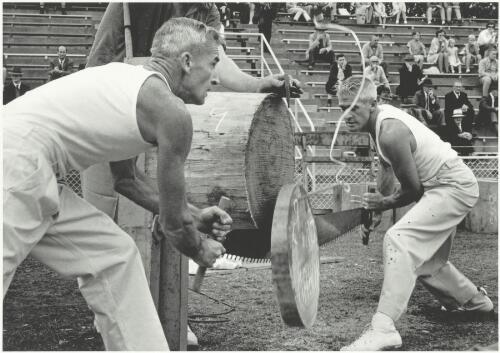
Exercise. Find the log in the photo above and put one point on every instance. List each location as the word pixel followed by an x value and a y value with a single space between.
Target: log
pixel 243 149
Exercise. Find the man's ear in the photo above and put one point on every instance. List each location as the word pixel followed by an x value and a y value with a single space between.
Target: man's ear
pixel 186 61
pixel 373 105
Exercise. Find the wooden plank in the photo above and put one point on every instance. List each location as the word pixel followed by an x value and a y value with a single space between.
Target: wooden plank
pixel 173 289
pixel 324 138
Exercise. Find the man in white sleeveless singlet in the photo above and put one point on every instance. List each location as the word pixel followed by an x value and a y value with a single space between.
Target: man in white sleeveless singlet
pixel 125 111
pixel 418 245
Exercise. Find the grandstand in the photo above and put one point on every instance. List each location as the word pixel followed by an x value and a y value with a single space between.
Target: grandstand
pixel 31 39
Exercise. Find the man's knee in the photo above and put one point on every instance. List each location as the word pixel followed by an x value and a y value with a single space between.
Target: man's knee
pixel 486 80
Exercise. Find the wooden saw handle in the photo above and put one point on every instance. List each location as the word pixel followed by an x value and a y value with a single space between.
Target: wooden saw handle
pixel 224 203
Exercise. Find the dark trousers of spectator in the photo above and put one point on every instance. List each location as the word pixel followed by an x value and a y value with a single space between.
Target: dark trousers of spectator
pixel 315 56
pixel 484 48
pixel 266 28
pixel 383 65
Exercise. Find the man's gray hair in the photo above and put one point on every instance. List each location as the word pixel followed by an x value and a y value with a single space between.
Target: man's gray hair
pixel 182 34
pixel 351 86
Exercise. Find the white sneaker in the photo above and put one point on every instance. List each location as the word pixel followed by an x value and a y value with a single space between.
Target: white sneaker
pixel 192 340
pixel 375 339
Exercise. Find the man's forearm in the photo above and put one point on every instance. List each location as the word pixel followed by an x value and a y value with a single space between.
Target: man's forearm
pixel 231 76
pixel 399 198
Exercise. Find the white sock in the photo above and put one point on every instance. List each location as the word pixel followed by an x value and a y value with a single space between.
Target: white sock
pixel 382 321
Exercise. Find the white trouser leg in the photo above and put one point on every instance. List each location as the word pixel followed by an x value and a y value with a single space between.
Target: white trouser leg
pixel 87 244
pixel 98 190
pixel 418 244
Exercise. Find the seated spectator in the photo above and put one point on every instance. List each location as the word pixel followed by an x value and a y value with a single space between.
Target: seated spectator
pixel 375 72
pixel 453 59
pixel 417 49
pixel 459 115
pixel 16 87
pixel 410 77
pixel 471 52
pixel 373 48
pixel 399 9
pixel 330 11
pixel 449 7
pixel 339 71
pixel 435 6
pixel 63 8
pixel 488 110
pixel 488 71
pixel 428 107
pixel 297 11
pixel 384 95
pixel 363 9
pixel 487 38
pixel 320 48
pixel 379 12
pixel 438 51
pixel 61 66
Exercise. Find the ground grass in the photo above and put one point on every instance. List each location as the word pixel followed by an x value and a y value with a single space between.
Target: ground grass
pixel 45 312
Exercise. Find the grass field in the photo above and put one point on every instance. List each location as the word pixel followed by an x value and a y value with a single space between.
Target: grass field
pixel 45 312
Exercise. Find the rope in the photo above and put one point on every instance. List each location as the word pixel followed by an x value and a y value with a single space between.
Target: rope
pixel 208 318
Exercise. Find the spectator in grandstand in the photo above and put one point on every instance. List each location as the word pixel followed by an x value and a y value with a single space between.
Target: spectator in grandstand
pixel 459 115
pixel 399 9
pixel 488 71
pixel 320 48
pixel 339 71
pixel 380 12
pixel 471 52
pixel 487 38
pixel 371 48
pixel 410 77
pixel 375 72
pixel 16 87
pixel 428 107
pixel 330 11
pixel 488 110
pixel 61 66
pixel 297 11
pixel 63 8
pixel 449 7
pixel 384 95
pixel 225 13
pixel 453 59
pixel 438 51
pixel 266 13
pixel 417 49
pixel 458 100
pixel 363 10
pixel 434 6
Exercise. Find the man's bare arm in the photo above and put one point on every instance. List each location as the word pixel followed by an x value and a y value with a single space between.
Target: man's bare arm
pixel 396 144
pixel 135 185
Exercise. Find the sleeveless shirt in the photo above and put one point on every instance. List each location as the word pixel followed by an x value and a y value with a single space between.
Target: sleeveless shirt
pixel 430 152
pixel 85 118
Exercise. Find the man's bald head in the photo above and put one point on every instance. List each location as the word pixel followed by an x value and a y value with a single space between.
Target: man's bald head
pixel 61 52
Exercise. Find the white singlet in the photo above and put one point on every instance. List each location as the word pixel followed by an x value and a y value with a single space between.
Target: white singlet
pixel 430 153
pixel 85 118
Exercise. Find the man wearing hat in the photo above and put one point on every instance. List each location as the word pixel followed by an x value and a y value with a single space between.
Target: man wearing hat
pixel 320 48
pixel 459 115
pixel 375 72
pixel 15 88
pixel 429 107
pixel 410 77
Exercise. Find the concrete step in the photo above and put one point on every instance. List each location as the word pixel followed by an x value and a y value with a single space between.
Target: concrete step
pixel 42 29
pixel 45 18
pixel 45 49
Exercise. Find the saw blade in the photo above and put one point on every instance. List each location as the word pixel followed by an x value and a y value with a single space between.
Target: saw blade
pixel 249 245
pixel 333 225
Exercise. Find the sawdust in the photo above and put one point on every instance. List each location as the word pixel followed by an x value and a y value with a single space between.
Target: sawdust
pixel 45 312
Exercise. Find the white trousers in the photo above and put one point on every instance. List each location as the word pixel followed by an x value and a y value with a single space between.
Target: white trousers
pixel 63 231
pixel 98 189
pixel 418 245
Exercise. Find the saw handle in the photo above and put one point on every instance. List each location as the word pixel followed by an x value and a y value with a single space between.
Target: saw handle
pixel 224 204
pixel 367 220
